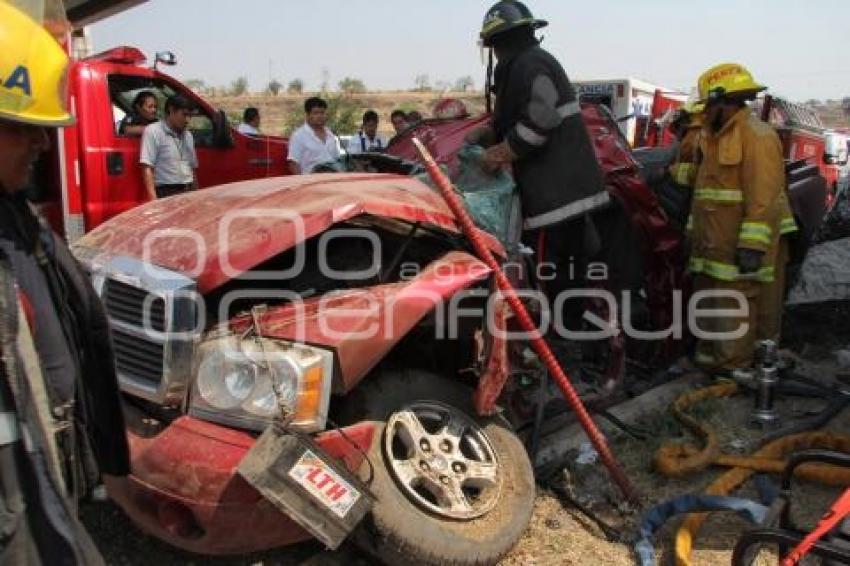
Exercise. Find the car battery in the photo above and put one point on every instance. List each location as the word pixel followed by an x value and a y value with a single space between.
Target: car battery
pixel 292 472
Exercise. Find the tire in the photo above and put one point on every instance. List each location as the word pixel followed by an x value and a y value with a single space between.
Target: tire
pixel 400 530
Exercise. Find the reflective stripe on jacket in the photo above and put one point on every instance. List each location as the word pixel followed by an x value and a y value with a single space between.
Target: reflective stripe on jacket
pixel 539 115
pixel 739 199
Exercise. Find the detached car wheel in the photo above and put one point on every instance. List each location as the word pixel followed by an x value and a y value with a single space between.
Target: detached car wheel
pixel 451 488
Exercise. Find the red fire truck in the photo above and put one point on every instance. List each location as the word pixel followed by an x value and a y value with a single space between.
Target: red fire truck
pixel 803 137
pixel 92 171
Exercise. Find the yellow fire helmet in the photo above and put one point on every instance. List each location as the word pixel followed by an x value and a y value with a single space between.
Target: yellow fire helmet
pixel 33 71
pixel 728 79
pixel 693 107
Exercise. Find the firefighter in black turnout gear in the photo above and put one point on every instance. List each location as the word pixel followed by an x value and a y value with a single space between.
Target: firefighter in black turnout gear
pixel 537 128
pixel 61 421
pixel 537 123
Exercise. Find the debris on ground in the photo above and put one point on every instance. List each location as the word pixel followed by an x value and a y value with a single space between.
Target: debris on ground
pixel 586 454
pixel 824 275
pixel 582 541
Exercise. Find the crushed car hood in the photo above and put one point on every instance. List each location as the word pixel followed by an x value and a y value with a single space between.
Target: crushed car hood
pixel 216 234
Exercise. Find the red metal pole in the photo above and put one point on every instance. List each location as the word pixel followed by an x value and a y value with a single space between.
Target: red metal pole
pixel 836 513
pixel 537 342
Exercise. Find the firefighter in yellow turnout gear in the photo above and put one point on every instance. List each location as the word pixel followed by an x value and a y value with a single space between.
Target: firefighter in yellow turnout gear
pixel 739 214
pixel 684 168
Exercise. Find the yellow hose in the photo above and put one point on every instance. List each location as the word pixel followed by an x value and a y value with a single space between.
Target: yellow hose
pixel 677 460
pixel 823 473
pixel 775 450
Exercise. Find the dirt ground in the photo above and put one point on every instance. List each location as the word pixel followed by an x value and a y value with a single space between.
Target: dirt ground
pixel 564 536
pixel 558 534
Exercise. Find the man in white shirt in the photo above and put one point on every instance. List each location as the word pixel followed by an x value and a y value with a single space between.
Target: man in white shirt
pixel 250 125
pixel 168 155
pixel 368 139
pixel 314 142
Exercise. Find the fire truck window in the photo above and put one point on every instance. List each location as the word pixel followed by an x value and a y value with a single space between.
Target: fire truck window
pixel 201 127
pixel 123 90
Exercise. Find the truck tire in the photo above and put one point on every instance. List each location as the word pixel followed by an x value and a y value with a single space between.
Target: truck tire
pixel 464 521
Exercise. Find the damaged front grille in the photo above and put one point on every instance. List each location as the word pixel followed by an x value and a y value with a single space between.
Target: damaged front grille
pixel 139 359
pixel 153 313
pixel 133 305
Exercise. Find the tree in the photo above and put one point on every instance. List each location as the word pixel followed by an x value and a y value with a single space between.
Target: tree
pixel 326 80
pixel 343 114
pixel 422 82
pixel 295 86
pixel 239 87
pixel 196 84
pixel 351 85
pixel 464 84
pixel 274 87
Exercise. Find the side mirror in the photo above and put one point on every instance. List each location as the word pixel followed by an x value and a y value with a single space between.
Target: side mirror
pixel 829 159
pixel 222 136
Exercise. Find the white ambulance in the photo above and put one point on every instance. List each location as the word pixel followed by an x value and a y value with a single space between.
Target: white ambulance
pixel 630 101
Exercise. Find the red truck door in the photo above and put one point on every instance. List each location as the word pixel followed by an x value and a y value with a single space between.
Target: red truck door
pixel 121 186
pixel 225 155
pixel 105 86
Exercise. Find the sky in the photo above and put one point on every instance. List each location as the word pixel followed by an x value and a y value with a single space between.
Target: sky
pixel 801 49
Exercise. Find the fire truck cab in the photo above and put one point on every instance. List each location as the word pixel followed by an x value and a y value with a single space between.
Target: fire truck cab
pixel 804 137
pixel 92 172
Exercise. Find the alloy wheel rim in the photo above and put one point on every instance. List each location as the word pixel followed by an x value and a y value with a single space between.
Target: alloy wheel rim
pixel 442 460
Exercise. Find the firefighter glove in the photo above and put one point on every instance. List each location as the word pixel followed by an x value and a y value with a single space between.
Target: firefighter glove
pixel 748 261
pixel 496 156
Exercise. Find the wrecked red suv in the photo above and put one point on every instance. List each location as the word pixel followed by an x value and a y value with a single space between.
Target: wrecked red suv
pixel 352 303
pixel 343 282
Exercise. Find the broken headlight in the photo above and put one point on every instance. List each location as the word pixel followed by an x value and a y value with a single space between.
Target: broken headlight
pixel 244 382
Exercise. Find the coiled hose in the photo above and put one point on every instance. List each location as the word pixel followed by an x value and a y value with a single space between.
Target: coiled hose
pixel 677 460
pixel 771 458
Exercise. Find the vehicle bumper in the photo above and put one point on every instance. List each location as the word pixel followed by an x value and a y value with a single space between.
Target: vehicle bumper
pixel 184 488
